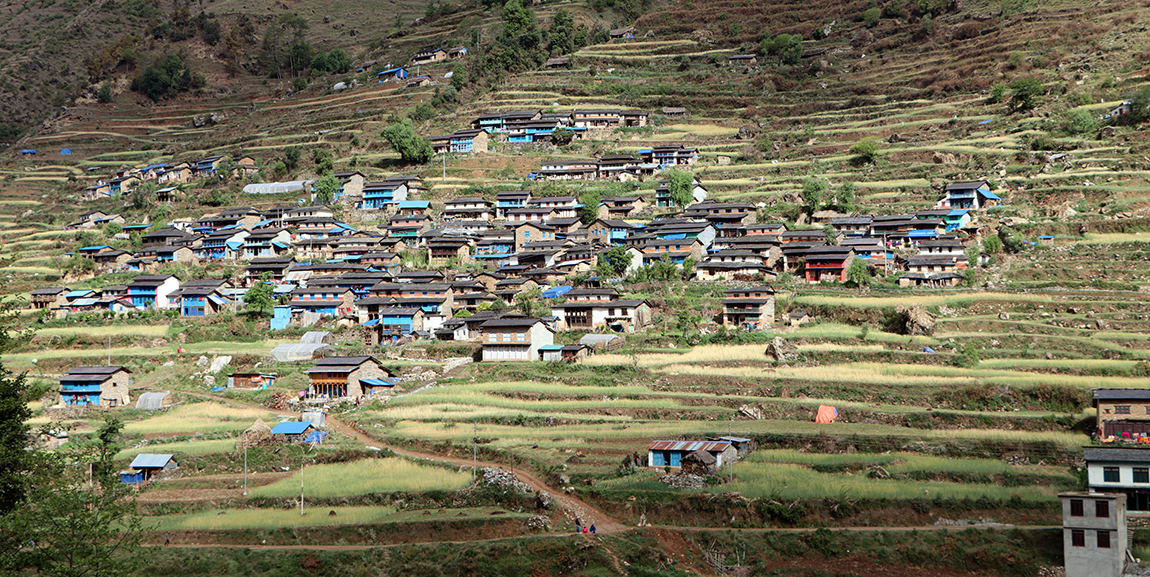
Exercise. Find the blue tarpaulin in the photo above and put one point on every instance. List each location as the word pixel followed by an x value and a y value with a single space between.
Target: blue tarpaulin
pixel 928 350
pixel 65 151
pixel 555 292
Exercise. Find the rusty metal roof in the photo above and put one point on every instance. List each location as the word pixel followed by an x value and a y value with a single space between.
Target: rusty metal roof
pixel 689 446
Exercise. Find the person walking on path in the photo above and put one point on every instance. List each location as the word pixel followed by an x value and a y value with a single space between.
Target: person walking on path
pixel 592 529
pixel 578 526
pixel 167 538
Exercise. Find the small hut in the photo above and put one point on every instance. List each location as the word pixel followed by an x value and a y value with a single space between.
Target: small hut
pixel 257 435
pixel 699 463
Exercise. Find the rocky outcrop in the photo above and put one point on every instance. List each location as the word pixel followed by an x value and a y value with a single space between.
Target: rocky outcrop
pixel 782 351
pixel 916 320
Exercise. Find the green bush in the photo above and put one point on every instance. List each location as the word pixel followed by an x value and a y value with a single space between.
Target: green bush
pixel 870 17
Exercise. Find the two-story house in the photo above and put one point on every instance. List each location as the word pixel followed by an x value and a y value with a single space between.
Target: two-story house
pixel 751 308
pixel 99 386
pixel 515 339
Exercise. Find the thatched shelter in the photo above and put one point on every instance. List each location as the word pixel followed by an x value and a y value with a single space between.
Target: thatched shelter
pixel 257 435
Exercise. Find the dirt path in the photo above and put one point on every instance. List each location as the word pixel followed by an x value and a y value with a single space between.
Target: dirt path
pixel 588 514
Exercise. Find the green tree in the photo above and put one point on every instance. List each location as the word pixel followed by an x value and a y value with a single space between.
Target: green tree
pixel 992 244
pixel 972 253
pixel 845 196
pixel 680 184
pixel 1139 107
pixel 589 212
pixel 401 135
pixel 865 151
pixel 258 298
pixel 291 157
pixel 614 262
pixel 814 193
pixel 324 161
pixel 78 529
pixel 15 464
pixel 105 93
pixel 326 188
pixel 858 274
pixel 112 229
pixel 530 303
pixel 830 235
pixel 562 136
pixel 561 34
pixel 458 76
pixel 997 92
pixel 1025 94
pixel 689 268
pixel 871 16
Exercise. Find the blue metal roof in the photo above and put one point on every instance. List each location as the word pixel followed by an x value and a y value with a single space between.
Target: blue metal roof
pixel 551 348
pixel 921 233
pixel 135 226
pixel 280 244
pixel 414 204
pixel 234 244
pixel 988 194
pixel 150 461
pixel 77 294
pixel 290 428
pixel 370 323
pixel 957 212
pixel 218 300
pixel 389 71
pixel 378 382
pixel 94 247
pixel 264 223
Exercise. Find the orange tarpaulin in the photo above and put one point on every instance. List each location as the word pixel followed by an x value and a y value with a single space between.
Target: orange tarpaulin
pixel 826 414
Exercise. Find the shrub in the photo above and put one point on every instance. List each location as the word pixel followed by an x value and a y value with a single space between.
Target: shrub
pixel 105 93
pixel 997 91
pixel 870 17
pixel 967 357
pixel 865 151
pixel 1077 122
pixel 1025 94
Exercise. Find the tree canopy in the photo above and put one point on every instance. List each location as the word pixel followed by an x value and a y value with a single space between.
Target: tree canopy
pixel 680 184
pixel 403 139
pixel 259 296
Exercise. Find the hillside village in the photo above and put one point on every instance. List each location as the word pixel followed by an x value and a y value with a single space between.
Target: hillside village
pixel 555 288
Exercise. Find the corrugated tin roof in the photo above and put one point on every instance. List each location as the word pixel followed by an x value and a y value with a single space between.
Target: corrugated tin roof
pixel 150 461
pixel 688 446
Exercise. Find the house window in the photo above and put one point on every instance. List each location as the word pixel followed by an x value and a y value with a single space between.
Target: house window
pixel 1077 537
pixel 1102 509
pixel 491 337
pixel 1104 539
pixel 1110 475
pixel 520 337
pixel 1121 409
pixel 1141 475
pixel 506 337
pixel 1076 508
